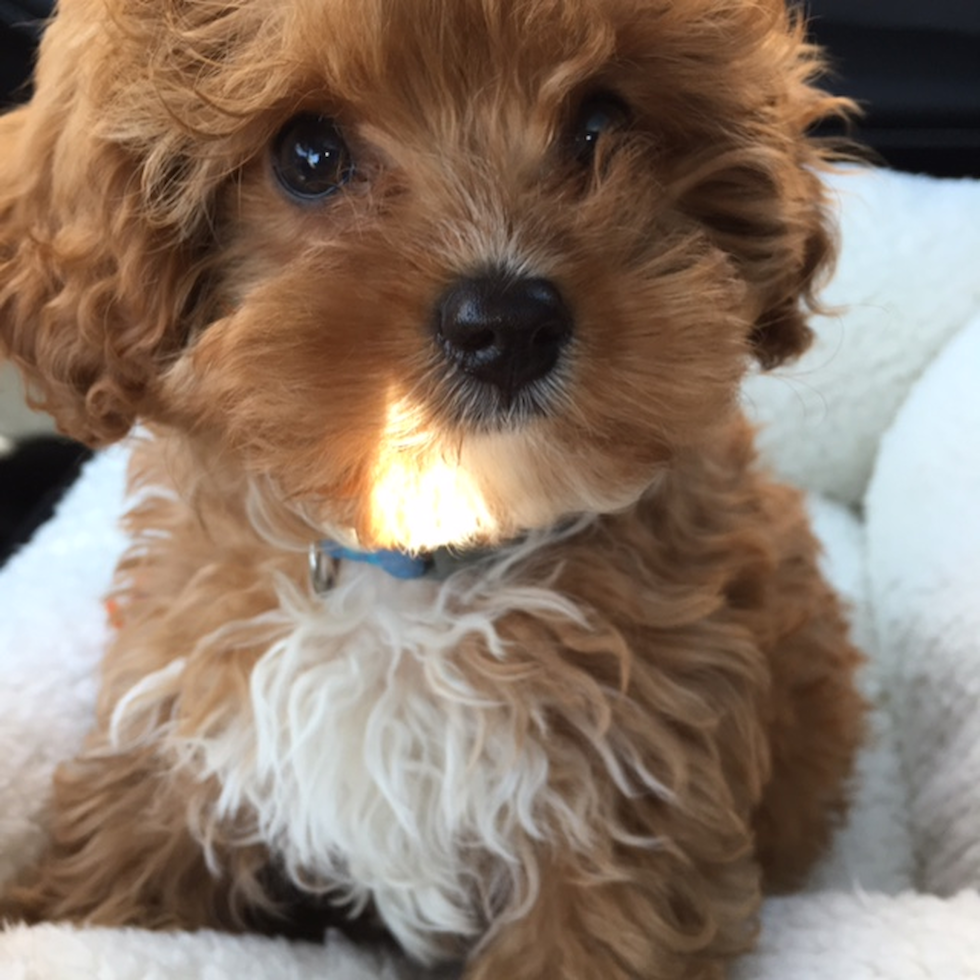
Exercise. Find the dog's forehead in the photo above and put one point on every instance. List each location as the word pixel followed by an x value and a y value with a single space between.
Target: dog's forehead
pixel 457 34
pixel 440 50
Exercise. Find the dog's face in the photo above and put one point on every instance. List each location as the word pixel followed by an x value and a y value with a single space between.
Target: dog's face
pixel 436 270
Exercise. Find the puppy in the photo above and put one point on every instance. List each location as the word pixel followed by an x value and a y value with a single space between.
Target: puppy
pixel 454 296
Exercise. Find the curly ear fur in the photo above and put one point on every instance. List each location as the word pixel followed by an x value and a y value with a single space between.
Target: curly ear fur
pixel 772 220
pixel 755 184
pixel 91 295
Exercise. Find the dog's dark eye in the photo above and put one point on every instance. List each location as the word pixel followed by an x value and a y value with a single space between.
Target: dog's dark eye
pixel 310 157
pixel 597 115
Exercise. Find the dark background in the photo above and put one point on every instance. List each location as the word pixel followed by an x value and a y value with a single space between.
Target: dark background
pixel 20 22
pixel 913 65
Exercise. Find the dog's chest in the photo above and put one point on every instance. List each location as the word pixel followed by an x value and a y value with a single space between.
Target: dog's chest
pixel 374 766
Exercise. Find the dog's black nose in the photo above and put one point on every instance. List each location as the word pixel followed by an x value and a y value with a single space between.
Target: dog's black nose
pixel 503 330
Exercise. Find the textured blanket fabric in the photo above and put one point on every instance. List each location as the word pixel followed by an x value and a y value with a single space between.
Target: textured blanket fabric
pixel 924 575
pixel 884 418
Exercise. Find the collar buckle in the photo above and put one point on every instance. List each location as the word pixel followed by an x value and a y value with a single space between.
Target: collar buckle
pixel 323 568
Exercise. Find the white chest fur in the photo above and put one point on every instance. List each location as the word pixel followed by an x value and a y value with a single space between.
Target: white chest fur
pixel 373 764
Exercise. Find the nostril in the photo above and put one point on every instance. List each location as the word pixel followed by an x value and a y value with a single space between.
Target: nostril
pixel 466 322
pixel 502 330
pixel 479 339
pixel 548 333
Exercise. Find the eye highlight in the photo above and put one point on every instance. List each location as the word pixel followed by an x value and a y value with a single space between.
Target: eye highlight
pixel 310 158
pixel 598 114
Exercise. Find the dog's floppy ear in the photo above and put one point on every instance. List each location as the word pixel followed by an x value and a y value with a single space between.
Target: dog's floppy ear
pixel 90 292
pixel 770 212
pixel 758 190
pixel 791 244
pixel 801 260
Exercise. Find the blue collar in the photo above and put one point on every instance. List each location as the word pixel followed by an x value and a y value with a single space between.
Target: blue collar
pixel 438 564
pixel 398 564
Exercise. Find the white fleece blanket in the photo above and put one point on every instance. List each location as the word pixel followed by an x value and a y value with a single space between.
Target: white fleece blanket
pixel 882 421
